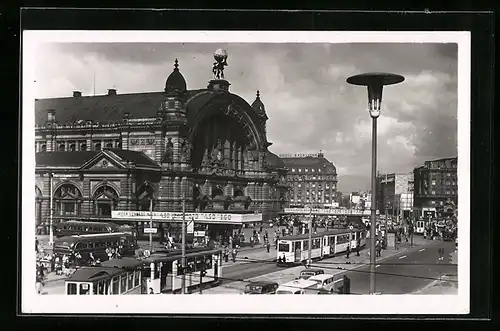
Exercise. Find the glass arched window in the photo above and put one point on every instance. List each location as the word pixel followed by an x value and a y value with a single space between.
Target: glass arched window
pixel 109 145
pixel 43 148
pixel 97 146
pixel 62 147
pixel 68 200
pixel 72 147
pixel 105 200
pixel 83 147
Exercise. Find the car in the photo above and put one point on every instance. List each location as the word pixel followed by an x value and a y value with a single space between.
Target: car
pixel 262 287
pixel 306 273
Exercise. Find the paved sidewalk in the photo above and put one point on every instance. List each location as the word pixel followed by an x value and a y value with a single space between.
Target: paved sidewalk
pixel 329 265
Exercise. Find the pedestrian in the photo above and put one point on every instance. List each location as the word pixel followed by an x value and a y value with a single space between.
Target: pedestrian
pixel 260 229
pixel 348 250
pixel 441 253
pixel 36 246
pixel 151 291
pixel 39 282
pixel 234 254
pixel 357 247
pixel 268 246
pixel 226 254
pixel 251 241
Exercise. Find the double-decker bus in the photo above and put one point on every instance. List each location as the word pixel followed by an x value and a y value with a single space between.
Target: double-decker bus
pixel 295 249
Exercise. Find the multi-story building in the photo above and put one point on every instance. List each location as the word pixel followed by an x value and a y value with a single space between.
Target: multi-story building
pixel 436 187
pixel 395 192
pixel 312 179
pixel 207 147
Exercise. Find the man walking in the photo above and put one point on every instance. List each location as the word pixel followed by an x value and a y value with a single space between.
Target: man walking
pixel 348 250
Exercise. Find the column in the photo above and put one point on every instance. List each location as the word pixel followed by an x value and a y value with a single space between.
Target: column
pixel 159 146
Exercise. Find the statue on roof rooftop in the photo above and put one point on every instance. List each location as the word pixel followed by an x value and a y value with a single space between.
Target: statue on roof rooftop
pixel 220 57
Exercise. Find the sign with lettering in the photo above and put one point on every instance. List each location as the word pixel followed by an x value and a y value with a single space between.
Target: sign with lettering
pixel 150 230
pixel 214 218
pixel 331 211
pixel 298 155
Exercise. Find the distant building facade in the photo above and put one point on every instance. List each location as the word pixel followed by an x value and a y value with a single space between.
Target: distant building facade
pixel 312 180
pixel 395 193
pixel 436 187
pixel 124 151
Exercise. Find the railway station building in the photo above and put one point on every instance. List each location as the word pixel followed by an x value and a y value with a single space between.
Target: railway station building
pixel 130 152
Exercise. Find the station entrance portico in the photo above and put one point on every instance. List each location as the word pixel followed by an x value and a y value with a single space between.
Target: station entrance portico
pixel 198 225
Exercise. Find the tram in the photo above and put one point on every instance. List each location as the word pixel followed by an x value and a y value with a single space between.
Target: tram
pixel 112 277
pixel 295 249
pixel 203 268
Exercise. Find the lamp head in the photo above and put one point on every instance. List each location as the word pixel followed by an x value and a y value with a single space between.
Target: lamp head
pixel 375 83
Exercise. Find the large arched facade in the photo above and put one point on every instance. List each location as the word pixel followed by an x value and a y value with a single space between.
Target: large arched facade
pixel 203 149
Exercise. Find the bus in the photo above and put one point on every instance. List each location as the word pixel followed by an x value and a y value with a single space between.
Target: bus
pixel 203 268
pixel 70 228
pixel 112 277
pixel 97 244
pixel 295 249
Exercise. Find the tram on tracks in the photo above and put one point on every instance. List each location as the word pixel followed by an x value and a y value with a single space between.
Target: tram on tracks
pixel 295 249
pixel 112 277
pixel 159 272
pixel 203 268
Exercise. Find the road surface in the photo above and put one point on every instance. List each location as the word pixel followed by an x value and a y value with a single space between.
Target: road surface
pixel 406 272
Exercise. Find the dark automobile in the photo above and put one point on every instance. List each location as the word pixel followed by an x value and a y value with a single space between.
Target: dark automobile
pixel 261 288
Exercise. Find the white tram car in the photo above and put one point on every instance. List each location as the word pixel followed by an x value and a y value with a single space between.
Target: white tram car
pixel 295 249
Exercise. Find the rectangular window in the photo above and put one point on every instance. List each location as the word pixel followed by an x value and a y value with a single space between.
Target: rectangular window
pixel 130 280
pixel 71 289
pixel 137 278
pixel 283 247
pixel 116 285
pixel 123 284
pixel 306 245
pixel 84 289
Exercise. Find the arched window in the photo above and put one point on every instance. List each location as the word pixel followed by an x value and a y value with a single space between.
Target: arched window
pixel 62 147
pixel 38 206
pixel 105 200
pixel 68 200
pixel 109 145
pixel 72 147
pixel 83 147
pixel 145 193
pixel 97 146
pixel 43 148
pixel 196 196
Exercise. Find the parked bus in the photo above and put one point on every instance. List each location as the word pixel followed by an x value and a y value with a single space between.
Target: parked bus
pixel 70 228
pixel 113 277
pixel 97 244
pixel 295 249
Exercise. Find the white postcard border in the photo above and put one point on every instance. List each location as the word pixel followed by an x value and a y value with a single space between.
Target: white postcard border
pixel 240 304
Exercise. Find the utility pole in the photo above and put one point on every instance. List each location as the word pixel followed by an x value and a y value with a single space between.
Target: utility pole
pixel 183 258
pixel 150 224
pixel 310 236
pixel 51 212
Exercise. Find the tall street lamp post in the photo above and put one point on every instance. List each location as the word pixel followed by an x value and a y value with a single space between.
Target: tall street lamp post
pixel 375 83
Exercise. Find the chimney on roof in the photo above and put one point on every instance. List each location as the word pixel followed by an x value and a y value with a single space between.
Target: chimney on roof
pixel 77 93
pixel 111 91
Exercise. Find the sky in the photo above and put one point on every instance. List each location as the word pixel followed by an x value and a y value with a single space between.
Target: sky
pixel 303 86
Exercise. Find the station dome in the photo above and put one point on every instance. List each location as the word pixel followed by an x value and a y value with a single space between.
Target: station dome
pixel 175 82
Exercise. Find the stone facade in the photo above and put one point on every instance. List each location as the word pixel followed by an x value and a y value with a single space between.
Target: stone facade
pixel 208 146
